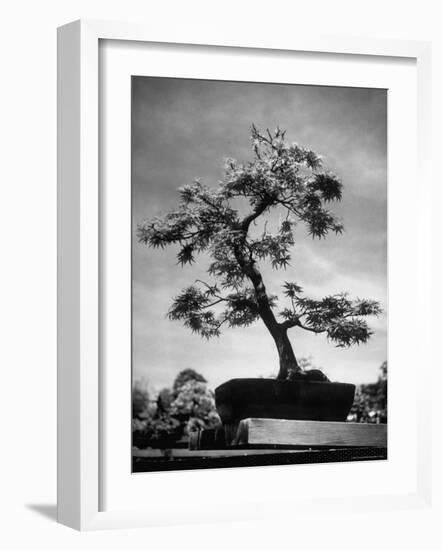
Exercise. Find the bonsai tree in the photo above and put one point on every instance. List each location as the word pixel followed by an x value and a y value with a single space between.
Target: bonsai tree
pixel 211 221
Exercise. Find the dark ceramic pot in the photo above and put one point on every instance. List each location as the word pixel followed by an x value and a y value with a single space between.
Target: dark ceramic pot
pixel 293 400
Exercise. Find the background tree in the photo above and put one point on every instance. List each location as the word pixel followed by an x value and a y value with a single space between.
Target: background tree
pixel 140 400
pixel 211 221
pixel 152 424
pixel 162 422
pixel 194 407
pixel 370 403
pixel 187 375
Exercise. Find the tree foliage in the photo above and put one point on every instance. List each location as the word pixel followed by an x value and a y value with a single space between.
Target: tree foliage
pixel 162 421
pixel 208 220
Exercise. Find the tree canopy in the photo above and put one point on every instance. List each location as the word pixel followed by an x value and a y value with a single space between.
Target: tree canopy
pixel 211 221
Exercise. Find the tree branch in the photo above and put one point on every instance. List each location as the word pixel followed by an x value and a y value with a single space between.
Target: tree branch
pixel 289 324
pixel 244 300
pixel 310 329
pixel 210 203
pixel 260 208
pixel 216 302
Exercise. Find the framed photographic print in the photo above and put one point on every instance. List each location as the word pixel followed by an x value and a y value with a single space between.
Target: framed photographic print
pixel 232 267
pixel 233 244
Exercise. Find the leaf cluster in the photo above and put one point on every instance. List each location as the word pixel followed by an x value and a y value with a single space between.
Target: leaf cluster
pixel 339 317
pixel 192 307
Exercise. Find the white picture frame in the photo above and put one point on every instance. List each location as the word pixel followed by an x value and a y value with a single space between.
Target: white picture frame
pixel 79 265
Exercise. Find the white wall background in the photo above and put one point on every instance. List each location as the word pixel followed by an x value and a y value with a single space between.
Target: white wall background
pixel 28 260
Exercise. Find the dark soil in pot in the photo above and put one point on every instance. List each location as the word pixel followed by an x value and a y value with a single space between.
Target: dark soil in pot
pixel 241 398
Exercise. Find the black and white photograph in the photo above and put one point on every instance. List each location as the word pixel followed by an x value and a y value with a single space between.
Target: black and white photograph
pixel 259 274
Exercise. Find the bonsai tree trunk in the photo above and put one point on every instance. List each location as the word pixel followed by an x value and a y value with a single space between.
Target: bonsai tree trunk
pixel 287 359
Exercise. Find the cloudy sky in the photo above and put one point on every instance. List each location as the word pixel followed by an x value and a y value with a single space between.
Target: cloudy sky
pixel 183 129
